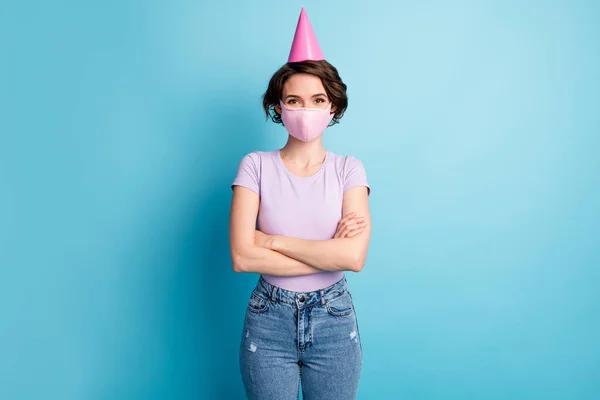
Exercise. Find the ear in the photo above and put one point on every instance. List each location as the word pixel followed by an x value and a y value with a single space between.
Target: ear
pixel 278 108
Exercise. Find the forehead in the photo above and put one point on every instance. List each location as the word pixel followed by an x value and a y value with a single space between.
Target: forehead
pixel 303 85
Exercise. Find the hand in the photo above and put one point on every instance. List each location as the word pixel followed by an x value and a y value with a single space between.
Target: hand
pixel 350 226
pixel 262 239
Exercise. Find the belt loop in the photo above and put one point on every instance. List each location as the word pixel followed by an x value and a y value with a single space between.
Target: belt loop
pixel 274 293
pixel 322 297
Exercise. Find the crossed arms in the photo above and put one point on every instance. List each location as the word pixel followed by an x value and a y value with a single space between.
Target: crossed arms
pixel 255 251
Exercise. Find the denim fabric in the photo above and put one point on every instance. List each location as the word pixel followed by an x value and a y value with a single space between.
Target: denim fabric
pixel 291 337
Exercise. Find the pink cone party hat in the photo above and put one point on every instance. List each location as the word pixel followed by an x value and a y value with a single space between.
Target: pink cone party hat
pixel 305 45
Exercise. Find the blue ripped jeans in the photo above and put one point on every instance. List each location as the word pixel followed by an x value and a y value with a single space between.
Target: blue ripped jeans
pixel 292 337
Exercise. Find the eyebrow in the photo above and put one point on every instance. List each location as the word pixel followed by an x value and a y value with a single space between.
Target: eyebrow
pixel 314 95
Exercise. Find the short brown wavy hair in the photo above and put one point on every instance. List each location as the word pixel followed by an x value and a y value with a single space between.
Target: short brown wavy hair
pixel 334 87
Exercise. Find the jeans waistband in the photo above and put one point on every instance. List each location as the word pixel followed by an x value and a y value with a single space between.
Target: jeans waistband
pixel 302 299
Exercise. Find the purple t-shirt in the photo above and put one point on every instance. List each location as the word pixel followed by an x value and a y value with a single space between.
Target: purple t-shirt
pixel 300 207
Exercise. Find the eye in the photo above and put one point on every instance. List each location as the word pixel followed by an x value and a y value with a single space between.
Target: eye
pixel 320 100
pixel 292 101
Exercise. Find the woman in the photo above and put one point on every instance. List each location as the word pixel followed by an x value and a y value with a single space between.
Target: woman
pixel 313 216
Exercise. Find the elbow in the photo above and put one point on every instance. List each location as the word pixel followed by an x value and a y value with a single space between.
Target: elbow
pixel 356 254
pixel 238 263
pixel 237 267
pixel 357 263
pixel 243 259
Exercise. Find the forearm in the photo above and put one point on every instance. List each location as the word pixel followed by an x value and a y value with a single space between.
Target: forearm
pixel 339 254
pixel 260 260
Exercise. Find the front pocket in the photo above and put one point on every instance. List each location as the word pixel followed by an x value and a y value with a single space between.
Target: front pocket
pixel 257 304
pixel 341 306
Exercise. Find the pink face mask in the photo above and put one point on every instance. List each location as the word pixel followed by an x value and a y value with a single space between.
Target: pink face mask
pixel 306 124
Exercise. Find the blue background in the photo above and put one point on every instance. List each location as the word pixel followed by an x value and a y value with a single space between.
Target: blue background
pixel 122 124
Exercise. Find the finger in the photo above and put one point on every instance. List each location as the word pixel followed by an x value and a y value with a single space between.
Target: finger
pixel 355 232
pixel 355 224
pixel 358 227
pixel 350 220
pixel 348 233
pixel 347 217
pixel 345 231
pixel 342 223
pixel 339 230
pixel 351 216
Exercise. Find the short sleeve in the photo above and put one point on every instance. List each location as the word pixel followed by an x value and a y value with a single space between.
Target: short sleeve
pixel 248 173
pixel 355 174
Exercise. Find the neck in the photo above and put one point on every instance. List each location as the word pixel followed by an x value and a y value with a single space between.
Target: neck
pixel 302 152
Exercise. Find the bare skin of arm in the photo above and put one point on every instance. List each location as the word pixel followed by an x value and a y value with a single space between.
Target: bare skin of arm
pixel 342 253
pixel 246 255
